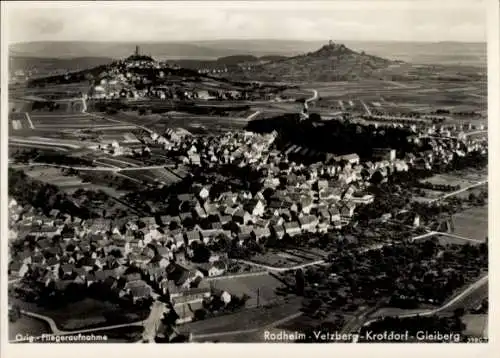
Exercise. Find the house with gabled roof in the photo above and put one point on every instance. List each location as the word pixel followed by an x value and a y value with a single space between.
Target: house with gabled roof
pixel 216 268
pixel 149 222
pixel 255 207
pixel 204 192
pixel 18 269
pixel 199 211
pixel 334 213
pixel 292 228
pixel 349 192
pixel 261 232
pixel 185 216
pixel 137 291
pixel 228 196
pixel 306 204
pixel 139 260
pixel 192 236
pixel 99 225
pixel 242 216
pixel 308 223
pixel 67 269
pixel 186 197
pixel 347 211
pixel 165 220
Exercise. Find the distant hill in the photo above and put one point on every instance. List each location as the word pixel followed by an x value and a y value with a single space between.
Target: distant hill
pixel 337 62
pixel 332 62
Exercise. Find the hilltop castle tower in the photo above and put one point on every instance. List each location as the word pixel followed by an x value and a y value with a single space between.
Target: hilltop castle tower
pixel 137 51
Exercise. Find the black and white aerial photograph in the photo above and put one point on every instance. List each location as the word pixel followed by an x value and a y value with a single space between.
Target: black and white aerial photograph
pixel 246 172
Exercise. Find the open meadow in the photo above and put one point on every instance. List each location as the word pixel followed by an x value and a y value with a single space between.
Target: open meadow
pixel 288 257
pixel 87 313
pixel 263 286
pixel 472 223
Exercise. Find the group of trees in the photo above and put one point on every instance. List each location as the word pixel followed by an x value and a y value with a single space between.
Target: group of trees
pixel 42 195
pixel 389 198
pixel 356 277
pixel 14 313
pixel 216 307
pixel 60 293
pixel 439 187
pixel 108 179
pixel 334 136
pixel 82 203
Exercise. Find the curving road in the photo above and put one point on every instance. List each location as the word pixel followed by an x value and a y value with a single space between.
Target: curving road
pixel 368 111
pixel 314 97
pixel 252 116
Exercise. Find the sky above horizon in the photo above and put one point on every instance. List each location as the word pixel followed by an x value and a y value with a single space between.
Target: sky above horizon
pixel 356 20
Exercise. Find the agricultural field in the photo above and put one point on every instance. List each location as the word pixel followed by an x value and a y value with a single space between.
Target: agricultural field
pixel 473 175
pixel 69 121
pixel 118 162
pixel 109 134
pixel 288 257
pixel 253 318
pixel 472 223
pixel 454 240
pixel 207 124
pixel 19 121
pixel 263 285
pixel 449 179
pixel 462 178
pixel 143 175
pixel 55 176
pixel 400 97
pixel 165 176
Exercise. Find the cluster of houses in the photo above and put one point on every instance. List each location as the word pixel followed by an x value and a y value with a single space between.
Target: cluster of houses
pixel 140 77
pixel 58 250
pixel 458 131
pixel 443 149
